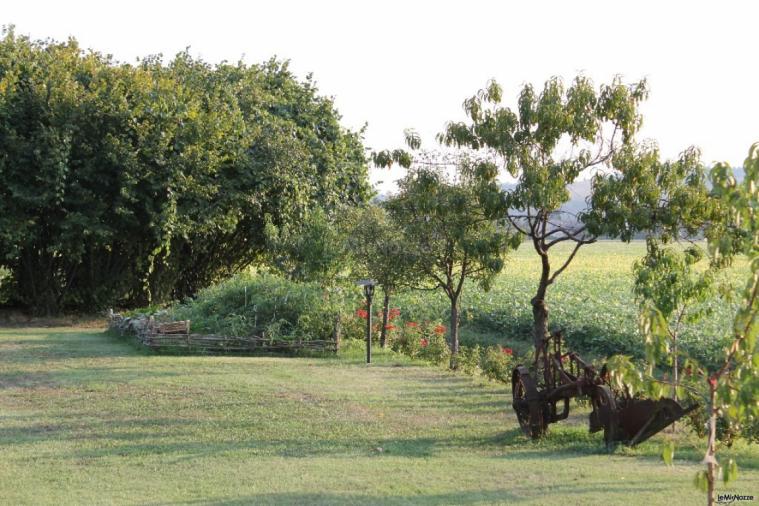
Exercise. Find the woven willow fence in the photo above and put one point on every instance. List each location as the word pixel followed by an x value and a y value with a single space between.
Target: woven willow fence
pixel 176 337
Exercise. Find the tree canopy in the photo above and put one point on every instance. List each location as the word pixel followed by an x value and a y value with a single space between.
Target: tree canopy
pixel 547 142
pixel 129 184
pixel 449 231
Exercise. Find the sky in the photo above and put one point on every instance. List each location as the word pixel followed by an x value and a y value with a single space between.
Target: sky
pixel 410 64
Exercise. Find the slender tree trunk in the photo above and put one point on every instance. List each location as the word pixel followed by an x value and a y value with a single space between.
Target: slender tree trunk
pixel 338 331
pixel 675 372
pixel 711 461
pixel 454 331
pixel 540 311
pixel 385 316
pixel 675 375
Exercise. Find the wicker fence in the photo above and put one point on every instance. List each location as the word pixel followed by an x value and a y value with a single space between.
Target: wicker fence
pixel 176 337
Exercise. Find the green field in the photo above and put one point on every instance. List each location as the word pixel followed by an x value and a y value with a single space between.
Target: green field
pixel 592 302
pixel 87 418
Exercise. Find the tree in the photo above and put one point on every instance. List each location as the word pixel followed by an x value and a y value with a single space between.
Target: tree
pixel 135 184
pixel 548 142
pixel 734 385
pixel 377 245
pixel 314 250
pixel 729 219
pixel 670 288
pixel 448 230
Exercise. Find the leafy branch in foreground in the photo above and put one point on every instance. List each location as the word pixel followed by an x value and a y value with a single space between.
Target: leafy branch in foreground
pixel 666 283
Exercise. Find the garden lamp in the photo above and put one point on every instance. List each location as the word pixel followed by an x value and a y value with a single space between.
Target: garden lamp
pixel 368 285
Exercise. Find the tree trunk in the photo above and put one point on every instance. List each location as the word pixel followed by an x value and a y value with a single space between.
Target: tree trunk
pixel 675 373
pixel 338 331
pixel 454 331
pixel 539 309
pixel 675 376
pixel 385 315
pixel 711 461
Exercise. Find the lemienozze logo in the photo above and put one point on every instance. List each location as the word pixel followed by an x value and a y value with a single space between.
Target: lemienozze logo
pixel 731 498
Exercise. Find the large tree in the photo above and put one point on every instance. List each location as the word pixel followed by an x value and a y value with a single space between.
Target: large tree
pixel 129 184
pixel 550 140
pixel 448 230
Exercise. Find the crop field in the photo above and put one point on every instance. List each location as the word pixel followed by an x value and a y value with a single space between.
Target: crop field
pixel 592 302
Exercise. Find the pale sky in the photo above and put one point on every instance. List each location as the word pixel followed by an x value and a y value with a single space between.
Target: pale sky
pixel 400 64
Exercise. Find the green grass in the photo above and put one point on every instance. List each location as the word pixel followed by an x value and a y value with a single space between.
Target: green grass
pixel 86 418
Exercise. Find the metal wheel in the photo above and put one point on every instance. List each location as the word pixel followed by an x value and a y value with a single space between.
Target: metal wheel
pixel 527 404
pixel 605 413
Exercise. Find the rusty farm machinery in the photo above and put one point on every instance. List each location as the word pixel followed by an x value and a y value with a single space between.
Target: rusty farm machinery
pixel 542 396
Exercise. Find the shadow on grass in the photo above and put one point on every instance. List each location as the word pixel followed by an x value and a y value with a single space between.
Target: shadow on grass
pixel 511 493
pixel 56 346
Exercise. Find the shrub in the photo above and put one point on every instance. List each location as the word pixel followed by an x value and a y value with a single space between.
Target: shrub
pixel 497 363
pixel 5 278
pixel 423 341
pixel 469 359
pixel 258 304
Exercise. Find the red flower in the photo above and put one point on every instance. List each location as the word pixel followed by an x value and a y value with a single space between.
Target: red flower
pixel 424 342
pixel 412 324
pixel 440 329
pixel 389 327
pixel 507 351
pixel 394 313
pixel 713 381
pixel 362 313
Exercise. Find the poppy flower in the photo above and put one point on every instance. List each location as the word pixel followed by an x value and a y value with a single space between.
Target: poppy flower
pixel 389 327
pixel 507 351
pixel 412 324
pixel 362 313
pixel 423 342
pixel 439 330
pixel 713 381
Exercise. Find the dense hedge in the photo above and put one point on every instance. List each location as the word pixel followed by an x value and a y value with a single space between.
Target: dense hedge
pixel 130 184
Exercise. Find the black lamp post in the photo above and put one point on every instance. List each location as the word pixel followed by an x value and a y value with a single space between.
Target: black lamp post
pixel 368 285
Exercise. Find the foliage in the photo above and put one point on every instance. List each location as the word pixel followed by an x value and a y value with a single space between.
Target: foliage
pixel 377 246
pixel 5 278
pixel 448 232
pixel 666 283
pixel 667 199
pixel 376 243
pixel 469 359
pixel 531 141
pixel 425 341
pixel 315 249
pixel 671 294
pixel 131 184
pixel 733 387
pixel 263 303
pixel 498 363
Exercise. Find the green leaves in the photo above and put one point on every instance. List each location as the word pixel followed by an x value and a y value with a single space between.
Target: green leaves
pixel 446 227
pixel 730 471
pixel 668 453
pixel 124 183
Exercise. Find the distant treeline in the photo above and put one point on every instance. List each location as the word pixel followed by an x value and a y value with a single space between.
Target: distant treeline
pixel 131 184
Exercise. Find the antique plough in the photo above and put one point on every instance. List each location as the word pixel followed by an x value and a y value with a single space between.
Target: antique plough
pixel 543 398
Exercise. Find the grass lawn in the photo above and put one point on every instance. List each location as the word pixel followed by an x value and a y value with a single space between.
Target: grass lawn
pixel 88 418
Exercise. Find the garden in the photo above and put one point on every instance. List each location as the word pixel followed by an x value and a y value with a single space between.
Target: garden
pixel 223 217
